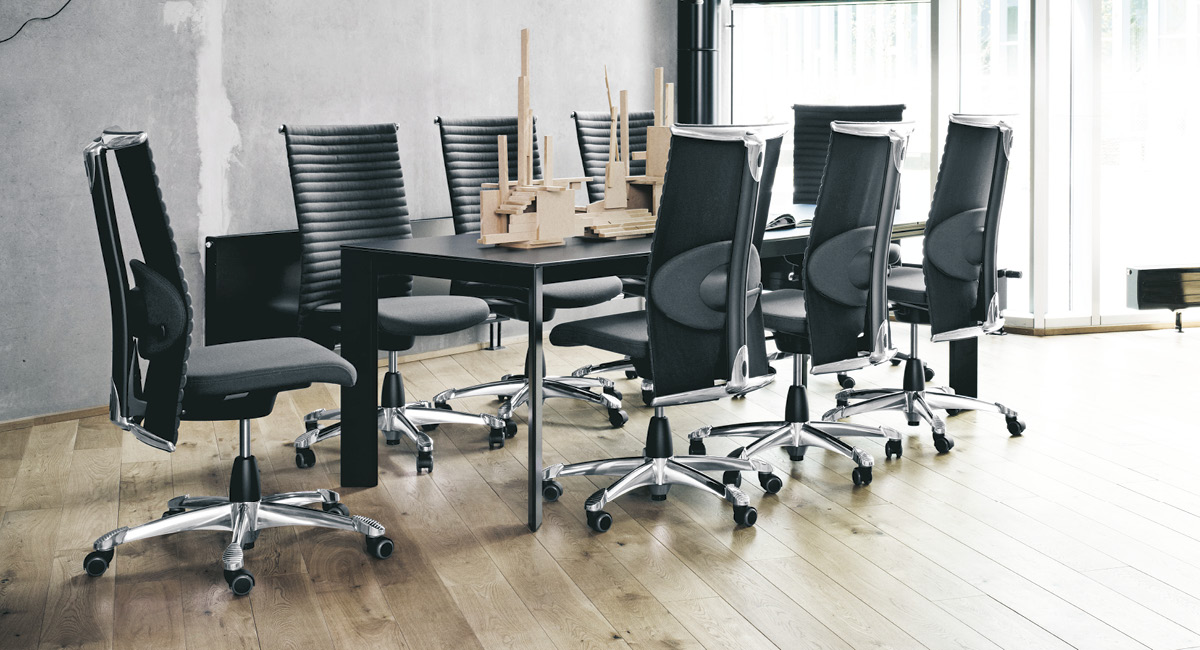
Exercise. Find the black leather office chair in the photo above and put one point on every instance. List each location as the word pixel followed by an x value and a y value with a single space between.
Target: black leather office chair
pixel 469 149
pixel 701 336
pixel 955 288
pixel 348 185
pixel 840 320
pixel 234 381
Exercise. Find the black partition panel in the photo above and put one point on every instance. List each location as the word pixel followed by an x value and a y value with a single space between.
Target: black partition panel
pixel 251 286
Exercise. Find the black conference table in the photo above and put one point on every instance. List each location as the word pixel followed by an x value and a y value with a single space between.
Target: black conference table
pixel 460 257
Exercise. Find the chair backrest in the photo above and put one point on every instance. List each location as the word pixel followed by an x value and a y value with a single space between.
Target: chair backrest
pixel 592 129
pixel 845 265
pixel 153 317
pixel 963 226
pixel 811 140
pixel 348 186
pixel 469 151
pixel 703 277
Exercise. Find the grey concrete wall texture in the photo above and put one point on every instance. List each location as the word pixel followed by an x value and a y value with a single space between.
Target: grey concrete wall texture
pixel 210 81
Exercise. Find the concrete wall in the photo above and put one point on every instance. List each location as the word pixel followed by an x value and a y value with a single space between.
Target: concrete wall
pixel 210 80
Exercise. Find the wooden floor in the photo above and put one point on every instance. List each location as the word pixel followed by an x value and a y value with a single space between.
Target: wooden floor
pixel 1085 532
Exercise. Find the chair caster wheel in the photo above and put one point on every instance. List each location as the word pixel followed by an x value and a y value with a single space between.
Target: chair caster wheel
pixel 732 478
pixel 771 484
pixel 1016 426
pixel 861 475
pixel 953 412
pixel 617 418
pixel 631 374
pixel 942 443
pixel 696 448
pixel 240 581
pixel 599 521
pixel 424 461
pixel 745 515
pixel 510 429
pixel 171 512
pixel 647 397
pixel 551 490
pixel 442 405
pixel 845 380
pixel 843 403
pixel 893 448
pixel 305 458
pixel 380 547
pixel 896 362
pixel 796 454
pixel 338 508
pixel 496 438
pixel 96 562
pixel 928 373
pixel 428 427
pixel 505 377
pixel 613 392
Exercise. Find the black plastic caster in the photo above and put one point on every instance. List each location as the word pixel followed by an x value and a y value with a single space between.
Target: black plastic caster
pixel 893 448
pixel 96 562
pixel 745 515
pixel 647 397
pixel 171 512
pixel 240 581
pixel 442 405
pixel 771 484
pixel 845 380
pixel 861 475
pixel 599 521
pixel 613 392
pixel 424 461
pixel 429 427
pixel 380 547
pixel 551 490
pixel 1016 426
pixel 617 418
pixel 842 403
pixel 496 438
pixel 896 362
pixel 953 412
pixel 631 374
pixel 338 508
pixel 510 429
pixel 928 373
pixel 697 448
pixel 796 454
pixel 942 443
pixel 732 478
pixel 305 458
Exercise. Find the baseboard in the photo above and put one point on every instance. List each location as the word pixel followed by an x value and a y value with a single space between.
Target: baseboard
pixel 77 414
pixel 433 354
pixel 1094 329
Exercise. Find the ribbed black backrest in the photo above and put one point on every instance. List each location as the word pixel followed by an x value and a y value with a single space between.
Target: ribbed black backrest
pixel 348 186
pixel 153 319
pixel 845 265
pixel 469 151
pixel 703 261
pixel 964 222
pixel 592 129
pixel 811 140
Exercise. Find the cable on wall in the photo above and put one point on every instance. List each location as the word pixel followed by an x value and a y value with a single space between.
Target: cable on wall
pixel 14 34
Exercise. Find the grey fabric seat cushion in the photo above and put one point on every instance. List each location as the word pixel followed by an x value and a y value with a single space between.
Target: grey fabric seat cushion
pixel 424 315
pixel 263 365
pixel 906 285
pixel 784 311
pixel 555 295
pixel 624 333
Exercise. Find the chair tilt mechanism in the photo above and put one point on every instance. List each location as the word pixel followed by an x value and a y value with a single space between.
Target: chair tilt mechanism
pixel 234 381
pixel 955 288
pixel 702 329
pixel 840 320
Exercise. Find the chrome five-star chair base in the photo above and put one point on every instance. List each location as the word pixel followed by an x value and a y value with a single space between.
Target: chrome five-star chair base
pixel 398 420
pixel 513 390
pixel 244 513
pixel 796 434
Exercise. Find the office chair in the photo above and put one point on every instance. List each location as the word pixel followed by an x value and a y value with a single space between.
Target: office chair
pixel 701 336
pixel 840 319
pixel 810 146
pixel 348 185
pixel 592 130
pixel 955 288
pixel 234 381
pixel 469 148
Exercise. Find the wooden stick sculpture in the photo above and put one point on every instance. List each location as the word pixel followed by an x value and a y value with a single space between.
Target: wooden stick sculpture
pixel 529 213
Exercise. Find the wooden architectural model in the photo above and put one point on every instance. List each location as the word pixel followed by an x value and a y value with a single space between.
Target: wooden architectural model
pixel 630 204
pixel 528 213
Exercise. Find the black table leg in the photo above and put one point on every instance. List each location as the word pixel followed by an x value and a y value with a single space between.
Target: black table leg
pixel 534 371
pixel 964 366
pixel 360 346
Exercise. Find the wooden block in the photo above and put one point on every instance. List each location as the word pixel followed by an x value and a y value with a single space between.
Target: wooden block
pixel 656 198
pixel 615 194
pixel 658 146
pixel 548 161
pixel 489 221
pixel 658 97
pixel 625 129
pixel 669 105
pixel 525 52
pixel 638 155
pixel 502 151
pixel 640 196
pixel 556 216
pixel 503 238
